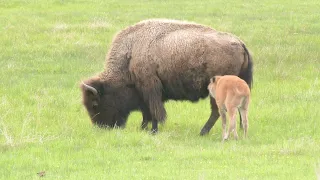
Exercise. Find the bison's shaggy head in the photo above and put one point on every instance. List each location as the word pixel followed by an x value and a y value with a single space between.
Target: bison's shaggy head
pixel 106 104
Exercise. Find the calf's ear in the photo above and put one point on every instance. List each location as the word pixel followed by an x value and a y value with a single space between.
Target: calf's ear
pixel 216 78
pixel 212 79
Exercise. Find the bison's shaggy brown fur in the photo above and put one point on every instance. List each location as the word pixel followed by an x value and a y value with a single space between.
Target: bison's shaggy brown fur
pixel 157 60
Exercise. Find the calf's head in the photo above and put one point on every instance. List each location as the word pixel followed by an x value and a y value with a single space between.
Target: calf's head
pixel 107 105
pixel 213 84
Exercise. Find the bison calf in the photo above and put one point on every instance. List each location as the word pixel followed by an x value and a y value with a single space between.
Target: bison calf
pixel 230 93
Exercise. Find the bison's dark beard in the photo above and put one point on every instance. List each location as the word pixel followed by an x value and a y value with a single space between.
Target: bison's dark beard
pixel 109 117
pixel 118 121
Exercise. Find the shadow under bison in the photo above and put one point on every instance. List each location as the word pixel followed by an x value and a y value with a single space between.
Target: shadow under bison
pixel 157 60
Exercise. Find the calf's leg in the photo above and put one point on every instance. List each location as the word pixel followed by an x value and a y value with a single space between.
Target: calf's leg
pixel 241 126
pixel 232 124
pixel 244 114
pixel 224 124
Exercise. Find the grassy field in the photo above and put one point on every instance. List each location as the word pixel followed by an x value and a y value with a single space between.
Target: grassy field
pixel 48 47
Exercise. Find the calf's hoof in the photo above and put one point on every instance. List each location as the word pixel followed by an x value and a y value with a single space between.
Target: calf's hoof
pixel 225 137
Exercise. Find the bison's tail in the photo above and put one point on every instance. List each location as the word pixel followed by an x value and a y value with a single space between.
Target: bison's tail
pixel 247 71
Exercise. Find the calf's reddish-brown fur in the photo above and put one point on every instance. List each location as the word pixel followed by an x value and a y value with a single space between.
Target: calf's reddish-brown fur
pixel 231 93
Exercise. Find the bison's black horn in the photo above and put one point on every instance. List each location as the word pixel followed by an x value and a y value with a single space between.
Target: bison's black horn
pixel 90 88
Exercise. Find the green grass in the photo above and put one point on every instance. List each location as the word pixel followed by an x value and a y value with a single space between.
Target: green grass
pixel 48 47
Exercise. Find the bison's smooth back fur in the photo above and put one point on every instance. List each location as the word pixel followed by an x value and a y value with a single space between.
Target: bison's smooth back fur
pixel 230 93
pixel 157 60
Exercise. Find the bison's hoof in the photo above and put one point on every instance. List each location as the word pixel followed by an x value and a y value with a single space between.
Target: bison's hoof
pixel 154 131
pixel 204 132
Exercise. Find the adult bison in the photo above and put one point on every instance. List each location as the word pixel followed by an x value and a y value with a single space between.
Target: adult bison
pixel 157 60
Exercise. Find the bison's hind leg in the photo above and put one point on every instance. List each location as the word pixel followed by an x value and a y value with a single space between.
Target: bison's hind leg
pixel 212 119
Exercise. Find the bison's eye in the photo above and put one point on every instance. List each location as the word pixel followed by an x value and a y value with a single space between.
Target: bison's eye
pixel 94 104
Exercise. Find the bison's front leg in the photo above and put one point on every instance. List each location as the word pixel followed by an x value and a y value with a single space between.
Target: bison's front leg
pixel 212 119
pixel 146 117
pixel 153 97
pixel 145 121
pixel 150 88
